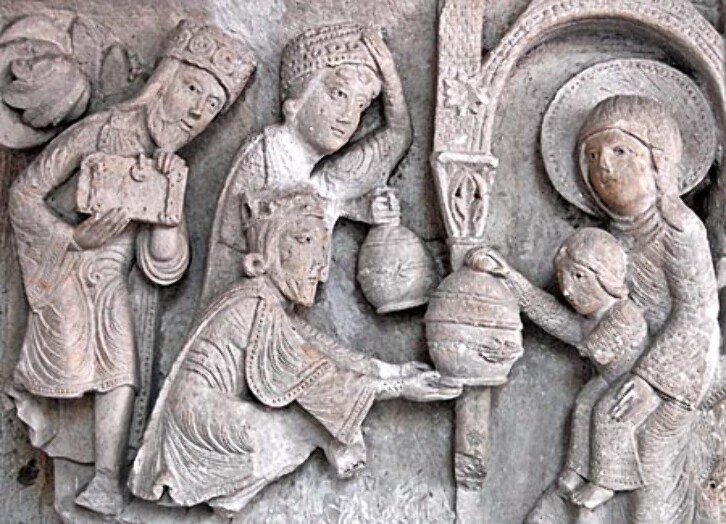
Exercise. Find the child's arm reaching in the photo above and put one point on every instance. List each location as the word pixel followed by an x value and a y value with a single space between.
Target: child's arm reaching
pixel 540 307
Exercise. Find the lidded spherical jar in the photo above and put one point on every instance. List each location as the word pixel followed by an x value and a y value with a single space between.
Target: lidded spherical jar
pixel 473 328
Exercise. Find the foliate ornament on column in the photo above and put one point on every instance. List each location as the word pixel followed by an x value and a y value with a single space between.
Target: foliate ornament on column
pixel 464 182
pixel 460 309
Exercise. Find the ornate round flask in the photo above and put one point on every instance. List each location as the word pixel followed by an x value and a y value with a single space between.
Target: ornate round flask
pixel 395 270
pixel 473 328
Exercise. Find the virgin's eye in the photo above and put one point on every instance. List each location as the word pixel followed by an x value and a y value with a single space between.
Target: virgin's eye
pixel 579 276
pixel 593 156
pixel 213 104
pixel 338 94
pixel 619 151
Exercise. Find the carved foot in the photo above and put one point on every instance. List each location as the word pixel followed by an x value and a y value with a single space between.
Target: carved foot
pixel 102 495
pixel 591 496
pixel 346 460
pixel 569 481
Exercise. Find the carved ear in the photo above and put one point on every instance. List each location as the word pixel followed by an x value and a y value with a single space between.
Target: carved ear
pixel 253 265
pixel 290 108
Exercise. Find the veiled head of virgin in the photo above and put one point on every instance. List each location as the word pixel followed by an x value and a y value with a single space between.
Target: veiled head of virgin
pixel 629 154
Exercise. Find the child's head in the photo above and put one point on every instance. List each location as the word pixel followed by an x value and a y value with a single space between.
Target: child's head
pixel 591 270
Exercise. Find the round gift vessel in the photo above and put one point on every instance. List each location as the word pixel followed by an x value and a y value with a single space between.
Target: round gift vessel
pixel 395 270
pixel 473 329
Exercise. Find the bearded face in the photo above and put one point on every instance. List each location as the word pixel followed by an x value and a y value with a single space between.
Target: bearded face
pixel 185 108
pixel 302 259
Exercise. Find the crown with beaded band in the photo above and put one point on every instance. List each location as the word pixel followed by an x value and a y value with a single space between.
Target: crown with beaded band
pixel 321 47
pixel 228 58
pixel 265 212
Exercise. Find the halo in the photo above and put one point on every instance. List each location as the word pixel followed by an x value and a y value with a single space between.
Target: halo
pixel 574 101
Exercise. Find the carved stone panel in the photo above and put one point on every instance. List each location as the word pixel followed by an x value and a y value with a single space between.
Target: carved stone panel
pixel 353 262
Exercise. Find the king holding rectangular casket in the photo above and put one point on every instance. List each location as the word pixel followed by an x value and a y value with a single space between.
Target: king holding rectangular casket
pixel 80 333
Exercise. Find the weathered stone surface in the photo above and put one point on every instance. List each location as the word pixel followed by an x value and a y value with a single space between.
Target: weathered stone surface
pixel 409 475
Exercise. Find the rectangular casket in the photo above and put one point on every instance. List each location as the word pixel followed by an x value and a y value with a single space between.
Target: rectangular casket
pixel 147 195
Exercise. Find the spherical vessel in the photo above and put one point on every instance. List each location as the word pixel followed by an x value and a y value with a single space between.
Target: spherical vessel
pixel 473 328
pixel 395 270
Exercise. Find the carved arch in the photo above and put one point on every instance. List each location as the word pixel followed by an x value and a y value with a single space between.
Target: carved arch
pixel 677 21
pixel 470 93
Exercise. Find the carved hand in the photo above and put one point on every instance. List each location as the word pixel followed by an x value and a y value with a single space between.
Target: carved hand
pixel 394 101
pixel 602 357
pixel 383 57
pixel 96 231
pixel 487 260
pixel 429 386
pixel 168 162
pixel 634 397
pixel 386 370
pixel 385 208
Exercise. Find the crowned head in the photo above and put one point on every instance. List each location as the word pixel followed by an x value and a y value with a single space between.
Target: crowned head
pixel 288 241
pixel 202 71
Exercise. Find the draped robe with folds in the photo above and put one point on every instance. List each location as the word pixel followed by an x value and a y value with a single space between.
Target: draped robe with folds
pixel 672 279
pixel 235 412
pixel 80 333
pixel 601 449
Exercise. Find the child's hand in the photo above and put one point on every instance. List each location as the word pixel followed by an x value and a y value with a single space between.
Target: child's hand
pixel 487 260
pixel 602 357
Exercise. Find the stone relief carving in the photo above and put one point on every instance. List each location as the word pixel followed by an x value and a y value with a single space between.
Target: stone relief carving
pixel 611 331
pixel 80 59
pixel 256 389
pixel 634 162
pixel 328 77
pixel 469 91
pixel 563 121
pixel 80 333
pixel 247 346
pixel 395 271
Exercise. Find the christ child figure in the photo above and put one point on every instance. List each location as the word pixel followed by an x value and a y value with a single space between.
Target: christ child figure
pixel 610 330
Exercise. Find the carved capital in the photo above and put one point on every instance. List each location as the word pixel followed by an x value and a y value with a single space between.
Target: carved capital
pixel 464 181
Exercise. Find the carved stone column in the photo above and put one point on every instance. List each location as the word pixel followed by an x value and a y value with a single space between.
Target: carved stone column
pixel 464 174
